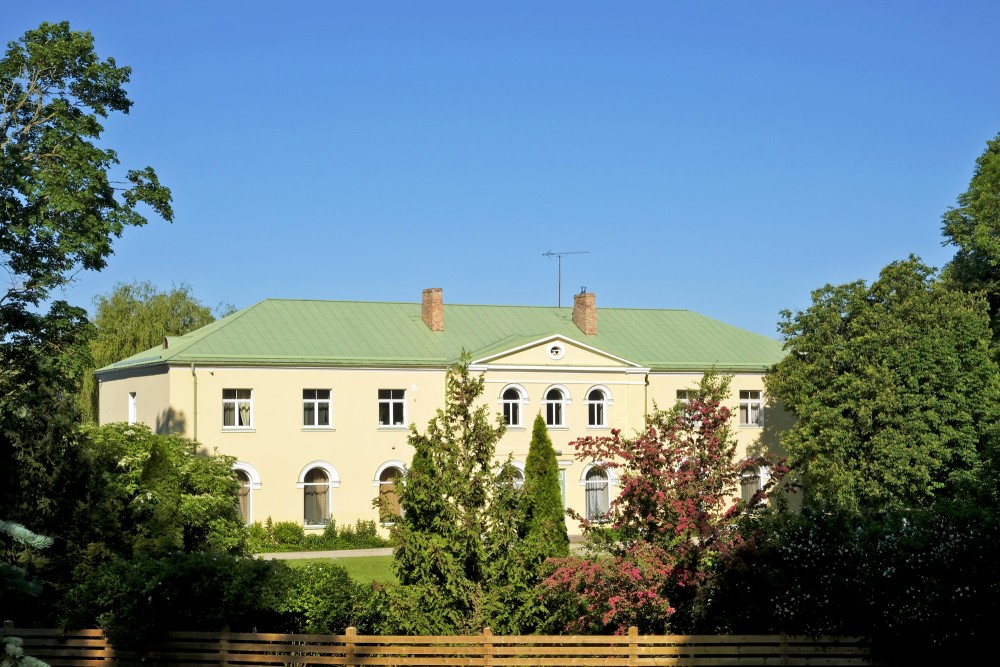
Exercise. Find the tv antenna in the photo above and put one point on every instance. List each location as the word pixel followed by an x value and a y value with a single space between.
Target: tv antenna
pixel 559 256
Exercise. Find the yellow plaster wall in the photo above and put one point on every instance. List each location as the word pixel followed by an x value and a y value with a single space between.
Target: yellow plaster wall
pixel 152 400
pixel 280 449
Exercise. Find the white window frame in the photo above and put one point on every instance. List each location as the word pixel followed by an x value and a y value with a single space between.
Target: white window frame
pixel 519 479
pixel 747 404
pixel 513 404
pixel 609 479
pixel 600 406
pixel 393 404
pixel 316 403
pixel 556 408
pixel 237 402
pixel 377 482
pixel 333 481
pixel 131 407
pixel 760 473
pixel 254 477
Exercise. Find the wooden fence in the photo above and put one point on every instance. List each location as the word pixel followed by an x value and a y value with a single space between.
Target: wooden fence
pixel 87 647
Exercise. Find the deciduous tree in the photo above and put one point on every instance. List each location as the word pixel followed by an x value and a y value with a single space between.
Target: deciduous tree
pixel 62 202
pixel 666 535
pixel 973 227
pixel 134 317
pixel 894 390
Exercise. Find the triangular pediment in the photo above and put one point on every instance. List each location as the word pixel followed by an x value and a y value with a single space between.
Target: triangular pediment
pixel 552 352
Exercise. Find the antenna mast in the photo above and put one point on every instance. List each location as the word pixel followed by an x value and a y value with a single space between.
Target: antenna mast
pixel 559 256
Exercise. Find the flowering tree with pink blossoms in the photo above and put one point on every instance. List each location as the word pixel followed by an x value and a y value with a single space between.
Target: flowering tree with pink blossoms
pixel 656 554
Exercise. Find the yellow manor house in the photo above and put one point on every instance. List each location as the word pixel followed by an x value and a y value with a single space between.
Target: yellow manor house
pixel 314 398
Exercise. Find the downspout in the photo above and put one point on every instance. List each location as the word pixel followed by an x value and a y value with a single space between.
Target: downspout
pixel 645 399
pixel 194 382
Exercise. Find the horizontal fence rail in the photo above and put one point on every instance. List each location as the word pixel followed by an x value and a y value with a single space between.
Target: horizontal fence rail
pixel 88 647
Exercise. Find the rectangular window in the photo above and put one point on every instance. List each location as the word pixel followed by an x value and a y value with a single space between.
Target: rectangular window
pixel 391 407
pixel 751 408
pixel 316 408
pixel 685 395
pixel 237 408
pixel 131 407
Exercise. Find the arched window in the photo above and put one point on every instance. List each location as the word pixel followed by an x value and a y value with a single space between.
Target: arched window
pixel 518 478
pixel 555 401
pixel 752 479
pixel 317 481
pixel 388 494
pixel 598 400
pixel 598 493
pixel 249 482
pixel 243 495
pixel 511 400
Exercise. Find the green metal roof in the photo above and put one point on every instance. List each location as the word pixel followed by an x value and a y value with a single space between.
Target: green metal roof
pixel 352 333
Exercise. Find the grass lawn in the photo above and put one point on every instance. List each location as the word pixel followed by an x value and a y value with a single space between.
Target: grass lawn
pixel 362 568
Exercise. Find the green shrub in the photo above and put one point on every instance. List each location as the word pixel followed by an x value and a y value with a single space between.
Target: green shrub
pixel 137 601
pixel 321 599
pixel 288 535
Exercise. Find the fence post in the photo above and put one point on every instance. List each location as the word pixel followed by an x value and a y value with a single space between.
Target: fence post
pixel 224 647
pixel 487 647
pixel 350 635
pixel 633 646
pixel 784 648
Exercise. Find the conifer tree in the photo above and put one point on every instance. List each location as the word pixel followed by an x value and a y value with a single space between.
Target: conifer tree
pixel 439 553
pixel 545 521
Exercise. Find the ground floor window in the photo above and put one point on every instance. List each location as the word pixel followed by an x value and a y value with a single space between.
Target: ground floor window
pixel 243 497
pixel 388 495
pixel 317 498
pixel 598 496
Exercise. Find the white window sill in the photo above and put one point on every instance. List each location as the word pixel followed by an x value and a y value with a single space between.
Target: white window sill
pixel 383 427
pixel 598 428
pixel 515 428
pixel 751 426
pixel 238 429
pixel 319 429
pixel 557 427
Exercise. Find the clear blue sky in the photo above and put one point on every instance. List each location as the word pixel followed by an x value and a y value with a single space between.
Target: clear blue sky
pixel 724 157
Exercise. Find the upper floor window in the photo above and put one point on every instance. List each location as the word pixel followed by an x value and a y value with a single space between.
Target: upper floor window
pixel 391 407
pixel 316 408
pixel 685 395
pixel 511 400
pixel 751 408
pixel 555 407
pixel 131 407
pixel 237 408
pixel 598 400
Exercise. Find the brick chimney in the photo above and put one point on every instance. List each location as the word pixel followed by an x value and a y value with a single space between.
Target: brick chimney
pixel 432 310
pixel 585 312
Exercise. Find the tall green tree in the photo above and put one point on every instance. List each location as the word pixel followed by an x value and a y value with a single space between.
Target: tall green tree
pixel 62 202
pixel 545 519
pixel 61 199
pixel 439 555
pixel 973 227
pixel 894 390
pixel 135 317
